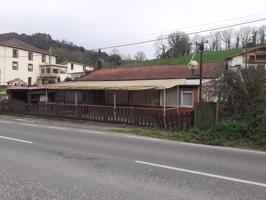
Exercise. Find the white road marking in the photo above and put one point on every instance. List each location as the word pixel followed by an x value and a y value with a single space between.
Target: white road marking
pixel 141 137
pixel 23 120
pixel 56 127
pixel 28 124
pixel 6 122
pixel 138 137
pixel 202 173
pixel 90 131
pixel 14 139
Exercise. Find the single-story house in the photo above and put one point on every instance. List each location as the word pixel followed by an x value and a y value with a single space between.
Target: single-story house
pixel 165 89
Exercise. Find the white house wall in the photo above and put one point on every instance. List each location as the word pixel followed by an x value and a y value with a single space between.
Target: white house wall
pixel 6 60
pixel 76 72
pixel 77 68
pixel 237 60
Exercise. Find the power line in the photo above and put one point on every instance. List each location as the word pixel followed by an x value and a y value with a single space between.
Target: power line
pixel 192 33
pixel 233 20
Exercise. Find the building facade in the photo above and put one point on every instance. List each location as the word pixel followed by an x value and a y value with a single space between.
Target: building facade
pixel 75 70
pixel 19 60
pixel 254 57
pixel 165 89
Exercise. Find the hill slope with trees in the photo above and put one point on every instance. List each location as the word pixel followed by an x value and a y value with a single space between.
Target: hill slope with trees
pixel 64 49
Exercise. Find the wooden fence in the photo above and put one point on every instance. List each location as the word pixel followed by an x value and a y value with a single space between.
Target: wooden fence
pixel 146 117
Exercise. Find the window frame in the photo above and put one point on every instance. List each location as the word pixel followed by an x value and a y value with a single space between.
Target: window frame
pixel 15 62
pixel 30 64
pixel 30 55
pixel 182 98
pixel 55 71
pixel 145 96
pixel 43 58
pixel 15 55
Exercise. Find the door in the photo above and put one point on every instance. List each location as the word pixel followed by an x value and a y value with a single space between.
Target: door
pixel 29 80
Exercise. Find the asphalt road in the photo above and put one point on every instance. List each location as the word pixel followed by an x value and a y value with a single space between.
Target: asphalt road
pixel 51 162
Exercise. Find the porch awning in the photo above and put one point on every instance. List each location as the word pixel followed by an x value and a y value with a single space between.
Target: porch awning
pixel 118 85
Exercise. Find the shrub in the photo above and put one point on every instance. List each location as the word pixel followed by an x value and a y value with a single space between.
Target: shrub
pixel 194 130
pixel 229 130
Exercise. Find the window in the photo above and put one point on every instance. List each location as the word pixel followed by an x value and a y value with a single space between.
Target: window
pixel 48 70
pixel 42 70
pixel 43 58
pixel 138 98
pixel 187 98
pixel 55 71
pixel 171 97
pixel 30 67
pixel 30 55
pixel 252 58
pixel 62 71
pixel 121 97
pixel 89 96
pixel 15 65
pixel 261 57
pixel 148 98
pixel 15 53
pixel 151 97
pixel 72 66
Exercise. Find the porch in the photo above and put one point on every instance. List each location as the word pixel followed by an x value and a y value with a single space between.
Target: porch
pixel 139 102
pixel 146 117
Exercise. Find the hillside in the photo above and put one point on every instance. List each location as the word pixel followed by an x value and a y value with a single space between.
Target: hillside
pixel 209 57
pixel 64 49
pixel 69 51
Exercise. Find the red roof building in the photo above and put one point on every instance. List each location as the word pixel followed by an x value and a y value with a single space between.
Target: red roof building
pixel 15 43
pixel 210 71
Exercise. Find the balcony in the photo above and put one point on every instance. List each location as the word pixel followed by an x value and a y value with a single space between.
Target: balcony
pixel 50 73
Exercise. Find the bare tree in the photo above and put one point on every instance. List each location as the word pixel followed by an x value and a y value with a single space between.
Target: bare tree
pixel 161 46
pixel 179 44
pixel 237 36
pixel 198 39
pixel 245 35
pixel 261 34
pixel 140 56
pixel 126 57
pixel 215 41
pixel 227 38
pixel 254 35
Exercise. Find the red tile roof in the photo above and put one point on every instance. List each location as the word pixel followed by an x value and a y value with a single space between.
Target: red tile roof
pixel 15 43
pixel 210 70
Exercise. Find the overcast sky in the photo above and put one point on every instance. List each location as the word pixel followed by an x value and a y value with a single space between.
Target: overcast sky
pixel 98 23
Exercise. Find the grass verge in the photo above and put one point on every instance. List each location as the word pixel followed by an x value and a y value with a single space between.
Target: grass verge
pixel 195 135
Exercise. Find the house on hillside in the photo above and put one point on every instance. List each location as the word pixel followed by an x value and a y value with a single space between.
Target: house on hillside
pixel 251 57
pixel 20 60
pixel 75 70
pixel 164 89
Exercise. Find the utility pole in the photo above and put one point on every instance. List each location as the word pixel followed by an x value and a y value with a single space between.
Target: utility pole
pixel 99 61
pixel 201 48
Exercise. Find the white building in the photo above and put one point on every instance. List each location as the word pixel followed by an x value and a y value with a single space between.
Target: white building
pixel 75 70
pixel 252 57
pixel 20 62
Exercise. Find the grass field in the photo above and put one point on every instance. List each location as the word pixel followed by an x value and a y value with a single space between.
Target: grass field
pixel 209 57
